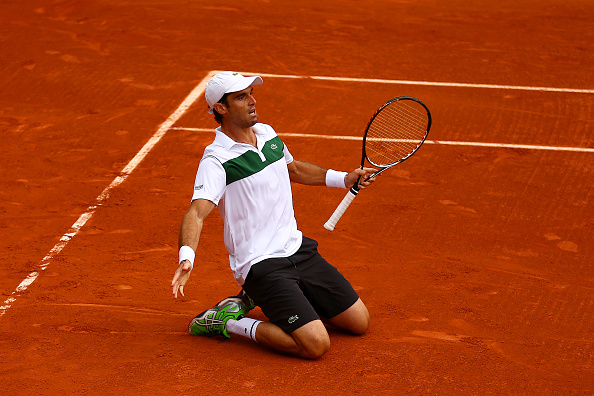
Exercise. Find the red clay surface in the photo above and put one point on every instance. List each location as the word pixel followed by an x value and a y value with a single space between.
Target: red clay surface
pixel 475 262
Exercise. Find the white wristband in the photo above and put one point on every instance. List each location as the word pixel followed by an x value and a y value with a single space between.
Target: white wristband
pixel 335 178
pixel 187 253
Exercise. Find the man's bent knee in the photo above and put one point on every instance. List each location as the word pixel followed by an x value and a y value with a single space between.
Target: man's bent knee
pixel 315 349
pixel 360 327
pixel 312 340
pixel 354 320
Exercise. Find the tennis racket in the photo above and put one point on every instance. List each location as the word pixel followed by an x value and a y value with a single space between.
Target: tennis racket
pixel 394 133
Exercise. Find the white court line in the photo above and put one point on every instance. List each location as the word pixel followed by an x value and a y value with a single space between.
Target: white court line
pixel 165 126
pixel 444 142
pixel 430 83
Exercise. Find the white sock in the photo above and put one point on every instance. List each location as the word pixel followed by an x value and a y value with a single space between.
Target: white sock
pixel 244 327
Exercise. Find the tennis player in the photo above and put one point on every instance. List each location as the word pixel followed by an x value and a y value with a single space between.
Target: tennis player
pixel 247 173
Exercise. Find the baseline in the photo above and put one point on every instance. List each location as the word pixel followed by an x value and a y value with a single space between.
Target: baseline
pixel 430 83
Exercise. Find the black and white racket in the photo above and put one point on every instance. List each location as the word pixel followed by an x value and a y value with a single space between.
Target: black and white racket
pixel 394 133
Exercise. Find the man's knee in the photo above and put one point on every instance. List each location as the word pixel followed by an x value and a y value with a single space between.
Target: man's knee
pixel 354 320
pixel 315 347
pixel 360 325
pixel 312 339
pixel 361 320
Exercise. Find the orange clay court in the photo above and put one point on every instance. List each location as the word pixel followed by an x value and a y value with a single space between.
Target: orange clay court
pixel 474 257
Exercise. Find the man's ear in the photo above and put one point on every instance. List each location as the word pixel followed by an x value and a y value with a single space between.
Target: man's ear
pixel 220 108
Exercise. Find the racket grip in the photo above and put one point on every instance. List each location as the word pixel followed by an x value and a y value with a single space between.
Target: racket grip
pixel 342 207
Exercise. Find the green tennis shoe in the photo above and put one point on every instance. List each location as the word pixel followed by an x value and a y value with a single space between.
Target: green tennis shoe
pixel 247 301
pixel 212 322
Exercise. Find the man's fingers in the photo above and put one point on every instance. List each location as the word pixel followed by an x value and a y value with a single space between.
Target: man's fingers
pixel 175 289
pixel 179 279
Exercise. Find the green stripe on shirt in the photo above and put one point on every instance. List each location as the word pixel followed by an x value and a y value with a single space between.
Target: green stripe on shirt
pixel 250 163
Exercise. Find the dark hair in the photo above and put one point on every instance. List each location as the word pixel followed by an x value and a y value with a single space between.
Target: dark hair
pixel 218 117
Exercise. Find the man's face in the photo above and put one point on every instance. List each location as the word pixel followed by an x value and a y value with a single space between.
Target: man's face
pixel 241 110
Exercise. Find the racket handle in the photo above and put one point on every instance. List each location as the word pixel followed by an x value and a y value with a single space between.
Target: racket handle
pixel 342 207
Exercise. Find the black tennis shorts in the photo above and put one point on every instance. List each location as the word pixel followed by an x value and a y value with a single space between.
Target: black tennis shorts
pixel 293 291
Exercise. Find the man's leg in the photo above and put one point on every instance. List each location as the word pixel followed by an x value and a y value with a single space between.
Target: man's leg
pixel 355 319
pixel 310 341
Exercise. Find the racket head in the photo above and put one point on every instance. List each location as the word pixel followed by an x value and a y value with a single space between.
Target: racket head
pixel 396 131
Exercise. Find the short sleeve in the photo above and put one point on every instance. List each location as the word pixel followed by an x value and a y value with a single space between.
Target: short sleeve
pixel 288 157
pixel 211 180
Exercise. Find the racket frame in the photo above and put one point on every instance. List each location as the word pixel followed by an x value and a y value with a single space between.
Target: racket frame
pixel 388 166
pixel 354 190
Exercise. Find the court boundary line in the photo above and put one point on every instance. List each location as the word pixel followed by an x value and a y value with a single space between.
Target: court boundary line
pixel 134 162
pixel 428 83
pixel 436 142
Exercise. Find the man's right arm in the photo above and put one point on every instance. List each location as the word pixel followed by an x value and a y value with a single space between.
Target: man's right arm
pixel 189 235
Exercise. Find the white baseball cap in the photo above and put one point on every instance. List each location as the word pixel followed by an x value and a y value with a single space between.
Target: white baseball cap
pixel 226 82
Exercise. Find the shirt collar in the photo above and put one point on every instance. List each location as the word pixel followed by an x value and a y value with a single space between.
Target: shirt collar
pixel 227 142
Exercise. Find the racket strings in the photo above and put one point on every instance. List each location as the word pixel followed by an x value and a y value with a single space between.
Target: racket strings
pixel 396 132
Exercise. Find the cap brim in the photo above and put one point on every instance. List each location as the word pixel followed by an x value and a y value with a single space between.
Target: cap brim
pixel 241 85
pixel 244 83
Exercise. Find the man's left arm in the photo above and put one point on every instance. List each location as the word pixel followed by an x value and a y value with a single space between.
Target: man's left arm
pixel 306 173
pixel 314 175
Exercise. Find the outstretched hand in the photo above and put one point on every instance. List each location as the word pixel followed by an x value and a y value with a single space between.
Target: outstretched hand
pixel 351 178
pixel 182 274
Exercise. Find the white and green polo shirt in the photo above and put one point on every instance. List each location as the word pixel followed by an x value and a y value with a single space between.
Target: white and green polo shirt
pixel 252 190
